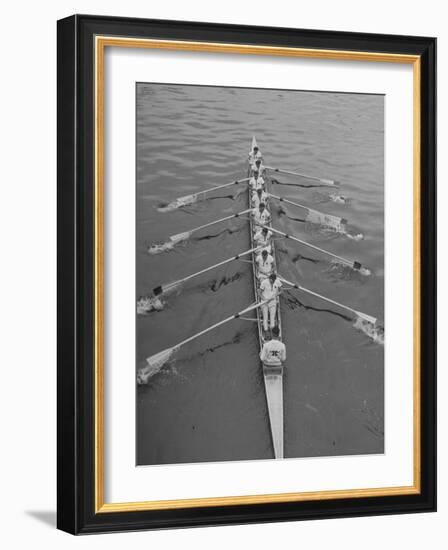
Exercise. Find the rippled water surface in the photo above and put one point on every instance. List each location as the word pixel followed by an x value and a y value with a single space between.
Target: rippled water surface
pixel 209 404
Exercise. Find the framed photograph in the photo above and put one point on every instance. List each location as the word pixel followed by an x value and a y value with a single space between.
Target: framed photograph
pixel 246 274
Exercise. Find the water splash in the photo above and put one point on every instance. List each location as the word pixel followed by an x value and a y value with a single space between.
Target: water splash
pixel 339 199
pixel 159 248
pixel 374 332
pixel 154 365
pixel 147 304
pixel 356 238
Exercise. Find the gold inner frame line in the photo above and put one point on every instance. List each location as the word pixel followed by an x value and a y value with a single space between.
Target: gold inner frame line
pixel 101 42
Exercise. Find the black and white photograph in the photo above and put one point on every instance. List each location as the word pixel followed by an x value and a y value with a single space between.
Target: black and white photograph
pixel 259 274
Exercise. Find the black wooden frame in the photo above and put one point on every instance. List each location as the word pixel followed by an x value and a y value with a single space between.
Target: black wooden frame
pixel 76 513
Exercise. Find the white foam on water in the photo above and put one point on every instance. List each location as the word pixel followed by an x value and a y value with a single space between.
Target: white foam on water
pixel 338 198
pixel 358 237
pixel 149 303
pixel 159 248
pixel 365 271
pixel 154 365
pixel 375 333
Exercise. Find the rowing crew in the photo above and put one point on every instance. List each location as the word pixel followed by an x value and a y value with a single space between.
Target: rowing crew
pixel 273 352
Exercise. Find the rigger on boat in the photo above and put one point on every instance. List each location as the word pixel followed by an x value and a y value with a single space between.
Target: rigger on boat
pixel 268 284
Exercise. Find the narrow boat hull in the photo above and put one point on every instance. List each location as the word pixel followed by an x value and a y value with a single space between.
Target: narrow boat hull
pixel 273 375
pixel 273 383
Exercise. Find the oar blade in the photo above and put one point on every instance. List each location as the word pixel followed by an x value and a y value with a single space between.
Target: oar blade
pixel 180 237
pixel 329 182
pixel 169 245
pixel 367 318
pixel 327 220
pixel 178 203
pixel 154 365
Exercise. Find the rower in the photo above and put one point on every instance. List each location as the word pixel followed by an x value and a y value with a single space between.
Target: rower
pixel 273 352
pixel 259 166
pixel 262 238
pixel 259 196
pixel 265 264
pixel 256 181
pixel 261 215
pixel 255 154
pixel 269 290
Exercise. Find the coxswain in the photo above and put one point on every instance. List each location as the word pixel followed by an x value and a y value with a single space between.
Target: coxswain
pixel 254 155
pixel 265 264
pixel 269 290
pixel 261 215
pixel 259 196
pixel 259 166
pixel 273 352
pixel 256 181
pixel 262 238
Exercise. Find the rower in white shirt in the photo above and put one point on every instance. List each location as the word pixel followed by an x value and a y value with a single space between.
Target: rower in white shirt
pixel 254 155
pixel 273 352
pixel 259 167
pixel 261 215
pixel 269 290
pixel 259 196
pixel 265 264
pixel 262 238
pixel 256 181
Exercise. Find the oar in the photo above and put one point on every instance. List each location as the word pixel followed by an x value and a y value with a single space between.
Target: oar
pixel 175 239
pixel 315 215
pixel 171 286
pixel 156 362
pixel 354 264
pixel 307 176
pixel 364 316
pixel 190 199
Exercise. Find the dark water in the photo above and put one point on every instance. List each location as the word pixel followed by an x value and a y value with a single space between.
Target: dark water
pixel 209 404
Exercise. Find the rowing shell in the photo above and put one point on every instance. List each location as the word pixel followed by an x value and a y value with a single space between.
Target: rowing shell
pixel 273 375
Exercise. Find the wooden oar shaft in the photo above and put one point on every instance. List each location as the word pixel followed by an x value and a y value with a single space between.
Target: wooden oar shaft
pixel 352 263
pixel 234 182
pixel 307 176
pixel 324 216
pixel 216 325
pixel 218 221
pixel 186 234
pixel 163 288
pixel 288 201
pixel 325 299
